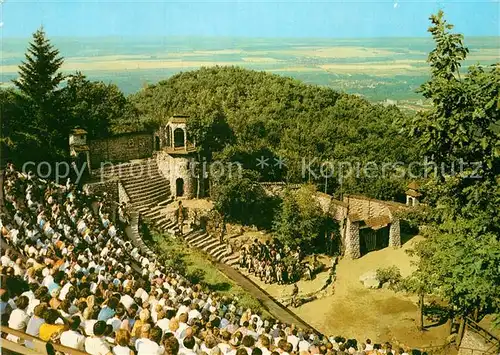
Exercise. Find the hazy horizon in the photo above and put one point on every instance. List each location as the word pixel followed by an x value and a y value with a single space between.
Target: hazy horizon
pixel 376 68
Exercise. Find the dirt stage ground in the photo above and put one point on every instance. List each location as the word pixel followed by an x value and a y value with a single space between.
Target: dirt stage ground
pixel 354 311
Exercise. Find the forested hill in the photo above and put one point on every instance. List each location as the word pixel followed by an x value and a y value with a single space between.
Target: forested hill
pixel 274 116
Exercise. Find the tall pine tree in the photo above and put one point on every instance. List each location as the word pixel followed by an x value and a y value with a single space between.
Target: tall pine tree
pixel 39 84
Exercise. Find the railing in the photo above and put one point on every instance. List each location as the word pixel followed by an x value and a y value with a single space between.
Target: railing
pixel 487 335
pixel 39 347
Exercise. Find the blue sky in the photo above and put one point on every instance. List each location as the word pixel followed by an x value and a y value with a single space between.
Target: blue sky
pixel 336 19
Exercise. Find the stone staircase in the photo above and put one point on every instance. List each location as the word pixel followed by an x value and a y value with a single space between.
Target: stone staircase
pixel 147 189
pixel 143 182
pixel 210 245
pixel 149 194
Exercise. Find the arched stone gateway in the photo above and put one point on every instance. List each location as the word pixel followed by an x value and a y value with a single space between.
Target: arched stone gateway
pixel 179 138
pixel 365 224
pixel 157 143
pixel 179 187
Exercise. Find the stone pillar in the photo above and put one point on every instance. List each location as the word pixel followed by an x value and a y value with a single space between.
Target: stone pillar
pixel 352 243
pixel 395 234
pixel 87 155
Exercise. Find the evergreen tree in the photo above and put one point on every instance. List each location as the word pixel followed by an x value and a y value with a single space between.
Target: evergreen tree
pixel 38 82
pixel 38 74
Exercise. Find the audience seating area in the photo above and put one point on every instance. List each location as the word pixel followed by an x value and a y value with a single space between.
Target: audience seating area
pixel 71 279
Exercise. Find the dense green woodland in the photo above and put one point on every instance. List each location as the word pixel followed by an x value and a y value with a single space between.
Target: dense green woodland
pixel 241 115
pixel 272 116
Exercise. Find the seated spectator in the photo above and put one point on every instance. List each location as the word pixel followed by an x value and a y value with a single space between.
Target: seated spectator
pixel 122 341
pixel 73 338
pixel 50 328
pixel 19 319
pixel 96 344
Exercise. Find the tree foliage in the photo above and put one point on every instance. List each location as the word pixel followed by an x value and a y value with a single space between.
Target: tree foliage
pixel 460 258
pixel 39 89
pixel 39 75
pixel 300 219
pixel 94 106
pixel 271 116
pixel 38 115
pixel 240 198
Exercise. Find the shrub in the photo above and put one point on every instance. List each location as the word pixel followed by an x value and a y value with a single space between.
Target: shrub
pixel 196 276
pixel 390 274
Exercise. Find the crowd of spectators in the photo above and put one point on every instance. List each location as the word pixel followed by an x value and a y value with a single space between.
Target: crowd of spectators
pixel 70 276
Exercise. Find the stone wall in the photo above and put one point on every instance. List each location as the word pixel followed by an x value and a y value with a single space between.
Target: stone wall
pixel 173 168
pixel 338 210
pixel 121 148
pixel 335 208
pixel 122 193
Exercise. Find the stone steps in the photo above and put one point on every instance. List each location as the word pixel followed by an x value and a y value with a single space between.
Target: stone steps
pixel 219 251
pixel 148 212
pixel 151 195
pixel 126 167
pixel 150 202
pixel 132 176
pixel 231 259
pixel 196 238
pixel 165 223
pixel 145 185
pixel 208 244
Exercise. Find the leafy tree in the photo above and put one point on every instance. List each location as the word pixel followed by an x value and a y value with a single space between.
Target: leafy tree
pixel 39 84
pixel 286 224
pixel 95 106
pixel 459 259
pixel 209 129
pixel 463 123
pixel 240 198
pixel 300 219
pixel 19 135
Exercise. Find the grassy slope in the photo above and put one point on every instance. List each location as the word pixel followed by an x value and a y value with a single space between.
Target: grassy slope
pixel 200 265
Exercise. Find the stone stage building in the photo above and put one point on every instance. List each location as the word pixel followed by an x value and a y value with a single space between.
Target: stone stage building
pixel 366 224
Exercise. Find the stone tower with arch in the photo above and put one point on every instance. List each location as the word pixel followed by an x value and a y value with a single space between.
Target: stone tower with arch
pixel 175 154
